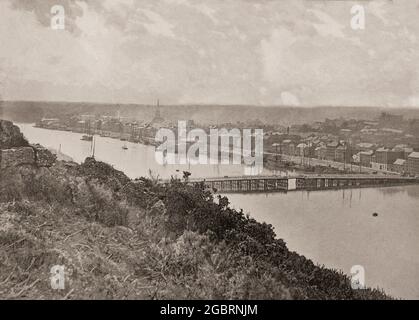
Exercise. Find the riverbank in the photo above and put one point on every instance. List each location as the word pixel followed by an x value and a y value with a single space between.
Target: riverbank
pixel 141 139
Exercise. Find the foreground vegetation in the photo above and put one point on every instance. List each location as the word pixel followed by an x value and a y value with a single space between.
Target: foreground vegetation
pixel 120 239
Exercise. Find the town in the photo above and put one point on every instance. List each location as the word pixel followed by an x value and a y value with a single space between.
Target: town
pixel 388 144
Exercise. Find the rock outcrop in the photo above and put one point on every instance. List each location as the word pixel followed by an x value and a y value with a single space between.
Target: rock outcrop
pixel 15 150
pixel 10 136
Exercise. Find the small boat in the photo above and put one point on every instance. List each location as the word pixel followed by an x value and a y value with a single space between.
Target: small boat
pixel 87 138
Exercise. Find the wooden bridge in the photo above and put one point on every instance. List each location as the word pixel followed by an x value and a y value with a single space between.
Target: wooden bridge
pixel 247 184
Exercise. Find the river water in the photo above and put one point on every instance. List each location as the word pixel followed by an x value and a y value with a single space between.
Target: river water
pixel 335 227
pixel 138 160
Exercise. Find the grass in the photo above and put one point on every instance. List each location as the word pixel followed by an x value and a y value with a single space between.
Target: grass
pixel 123 239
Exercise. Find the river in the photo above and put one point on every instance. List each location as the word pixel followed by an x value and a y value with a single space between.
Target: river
pixel 334 228
pixel 138 160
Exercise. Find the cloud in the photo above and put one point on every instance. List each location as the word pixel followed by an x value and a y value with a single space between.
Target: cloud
pixel 157 25
pixel 412 101
pixel 250 52
pixel 327 26
pixel 207 11
pixel 274 53
pixel 378 9
pixel 288 99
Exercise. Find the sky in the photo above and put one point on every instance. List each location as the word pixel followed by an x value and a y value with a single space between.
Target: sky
pixel 252 52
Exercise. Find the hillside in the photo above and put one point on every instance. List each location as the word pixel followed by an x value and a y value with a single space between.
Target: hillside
pixel 120 239
pixel 32 111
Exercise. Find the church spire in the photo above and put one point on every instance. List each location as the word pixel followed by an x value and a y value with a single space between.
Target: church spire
pixel 157 116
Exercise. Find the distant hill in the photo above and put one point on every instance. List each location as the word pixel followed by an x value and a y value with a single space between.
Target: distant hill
pixel 31 111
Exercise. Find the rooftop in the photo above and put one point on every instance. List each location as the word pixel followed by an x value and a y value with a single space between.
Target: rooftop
pixel 302 145
pixel 365 145
pixel 333 144
pixel 400 162
pixel 414 155
pixel 369 152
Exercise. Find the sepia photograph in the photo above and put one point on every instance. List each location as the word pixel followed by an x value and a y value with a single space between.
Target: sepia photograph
pixel 209 150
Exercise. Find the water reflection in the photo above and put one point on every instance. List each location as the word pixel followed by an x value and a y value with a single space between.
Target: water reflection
pixel 337 228
pixel 413 192
pixel 410 191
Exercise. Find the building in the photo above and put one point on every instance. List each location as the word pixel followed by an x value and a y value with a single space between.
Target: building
pixel 331 150
pixel 287 147
pixel 393 155
pixel 365 158
pixel 369 131
pixel 406 150
pixel 320 152
pixel 413 163
pixel 340 154
pixel 343 154
pixel 391 131
pixel 302 150
pixel 346 132
pixel 385 158
pixel 400 166
pixel 49 123
pixel 364 146
pixel 379 161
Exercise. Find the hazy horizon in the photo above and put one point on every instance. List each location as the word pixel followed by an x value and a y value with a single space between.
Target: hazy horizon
pixel 192 104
